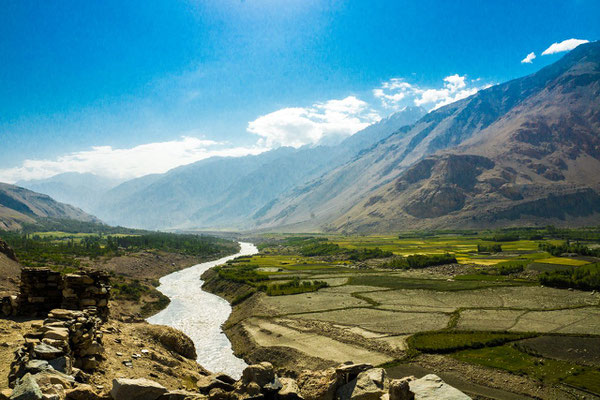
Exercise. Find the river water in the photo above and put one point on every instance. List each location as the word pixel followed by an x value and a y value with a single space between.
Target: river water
pixel 200 314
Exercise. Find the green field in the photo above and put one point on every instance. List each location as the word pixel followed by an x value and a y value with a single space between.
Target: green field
pixel 473 310
pixel 546 370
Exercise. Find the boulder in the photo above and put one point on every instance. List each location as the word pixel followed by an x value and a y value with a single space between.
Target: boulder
pixel 400 389
pixel 5 394
pixel 433 387
pixel 349 371
pixel 82 392
pixel 172 339
pixel 262 374
pixel 26 389
pixel 318 385
pixel 136 389
pixel 206 383
pixel 289 390
pixel 368 385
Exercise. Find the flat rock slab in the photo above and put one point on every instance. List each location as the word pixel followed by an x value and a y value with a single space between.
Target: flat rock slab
pixel 432 387
pixel 136 389
pixel 47 352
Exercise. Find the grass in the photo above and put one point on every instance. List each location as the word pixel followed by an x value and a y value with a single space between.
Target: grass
pixel 546 370
pixel 563 261
pixel 448 342
pixel 396 282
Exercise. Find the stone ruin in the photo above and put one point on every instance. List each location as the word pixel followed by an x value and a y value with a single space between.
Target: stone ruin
pixel 42 290
pixel 67 344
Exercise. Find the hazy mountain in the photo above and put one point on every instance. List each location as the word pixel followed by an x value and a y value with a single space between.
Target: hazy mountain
pixel 565 93
pixel 223 192
pixel 537 164
pixel 82 190
pixel 19 205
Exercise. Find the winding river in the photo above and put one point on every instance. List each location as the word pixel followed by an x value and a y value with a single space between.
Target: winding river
pixel 200 314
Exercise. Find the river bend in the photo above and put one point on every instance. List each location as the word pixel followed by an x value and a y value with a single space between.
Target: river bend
pixel 200 314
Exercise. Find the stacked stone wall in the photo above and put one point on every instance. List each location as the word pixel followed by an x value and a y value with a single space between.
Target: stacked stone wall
pixel 42 290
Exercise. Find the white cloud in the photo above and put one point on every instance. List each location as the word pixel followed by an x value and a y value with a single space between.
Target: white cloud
pixel 298 126
pixel 565 45
pixel 396 93
pixel 126 163
pixel 392 92
pixel 529 58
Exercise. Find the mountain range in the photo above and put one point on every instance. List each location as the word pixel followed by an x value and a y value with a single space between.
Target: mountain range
pixel 19 206
pixel 523 152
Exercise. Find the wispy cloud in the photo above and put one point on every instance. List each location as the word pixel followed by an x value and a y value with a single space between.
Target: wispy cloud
pixel 529 58
pixel 397 93
pixel 129 162
pixel 565 45
pixel 298 126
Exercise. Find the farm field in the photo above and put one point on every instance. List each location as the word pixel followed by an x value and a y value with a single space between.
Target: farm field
pixel 366 303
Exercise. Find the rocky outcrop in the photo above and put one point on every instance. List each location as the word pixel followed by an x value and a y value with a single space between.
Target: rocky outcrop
pixel 6 250
pixel 172 339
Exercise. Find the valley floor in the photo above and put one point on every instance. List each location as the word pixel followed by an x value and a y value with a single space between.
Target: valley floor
pixel 508 329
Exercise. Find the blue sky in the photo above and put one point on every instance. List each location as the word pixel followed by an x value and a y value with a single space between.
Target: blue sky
pixel 127 88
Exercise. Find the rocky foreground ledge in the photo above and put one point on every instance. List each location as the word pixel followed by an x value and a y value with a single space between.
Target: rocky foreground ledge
pixel 259 382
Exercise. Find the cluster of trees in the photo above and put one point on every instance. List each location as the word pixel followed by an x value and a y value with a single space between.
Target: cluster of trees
pixel 586 277
pixel 294 286
pixel 489 248
pixel 67 250
pixel 311 247
pixel 509 269
pixel 420 261
pixel 557 250
pixel 317 247
pixel 241 274
pixel 367 254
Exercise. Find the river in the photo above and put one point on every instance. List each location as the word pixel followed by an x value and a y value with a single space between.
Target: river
pixel 200 314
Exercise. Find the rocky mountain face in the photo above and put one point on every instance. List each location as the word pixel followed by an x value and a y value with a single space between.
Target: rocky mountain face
pixel 536 163
pixel 19 205
pixel 223 192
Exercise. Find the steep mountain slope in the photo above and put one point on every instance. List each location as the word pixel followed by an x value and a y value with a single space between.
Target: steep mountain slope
pixel 9 269
pixel 19 205
pixel 224 192
pixel 538 164
pixel 332 196
pixel 82 190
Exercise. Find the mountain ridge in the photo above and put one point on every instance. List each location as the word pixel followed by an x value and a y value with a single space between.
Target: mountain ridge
pixel 331 197
pixel 19 206
pixel 537 164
